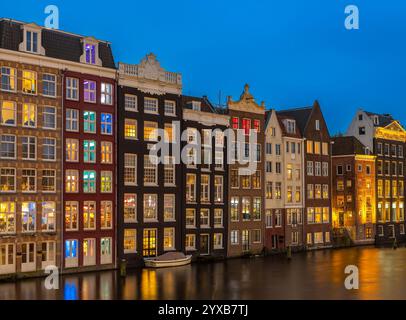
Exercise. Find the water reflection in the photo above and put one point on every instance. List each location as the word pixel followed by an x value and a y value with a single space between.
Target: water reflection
pixel 312 275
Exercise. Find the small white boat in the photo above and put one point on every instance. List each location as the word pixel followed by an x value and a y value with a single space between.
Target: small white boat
pixel 170 259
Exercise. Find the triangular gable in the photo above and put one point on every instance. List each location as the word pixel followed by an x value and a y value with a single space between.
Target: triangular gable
pixel 393 131
pixel 246 103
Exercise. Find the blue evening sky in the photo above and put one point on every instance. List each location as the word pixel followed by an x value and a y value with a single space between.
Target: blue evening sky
pixel 291 52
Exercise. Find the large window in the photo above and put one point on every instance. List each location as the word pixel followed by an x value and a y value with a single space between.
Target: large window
pixel 234 209
pixel 29 145
pixel 218 241
pixel 169 239
pixel 130 169
pixel 106 151
pixel 130 207
pixel 32 41
pixel 8 80
pixel 106 214
pixel 29 115
pixel 89 181
pixel 246 208
pixel 49 117
pixel 106 181
pixel 130 240
pixel 106 123
pixel 71 215
pixel 256 208
pixel 89 90
pixel 49 149
pixel 170 108
pixel 130 129
pixel 89 121
pixel 48 180
pixel 8 113
pixel 72 89
pixel 204 218
pixel 190 242
pixel 150 105
pixel 150 132
pixel 89 151
pixel 106 93
pixel 8 146
pixel 48 216
pixel 205 188
pixel 190 218
pixel 72 120
pixel 29 84
pixel 29 180
pixel 49 85
pixel 191 187
pixel 150 207
pixel 169 171
pixel 130 102
pixel 150 170
pixel 7 217
pixel 7 180
pixel 28 216
pixel 169 207
pixel 218 189
pixel 72 181
pixel 89 215
pixel 218 218
pixel 72 150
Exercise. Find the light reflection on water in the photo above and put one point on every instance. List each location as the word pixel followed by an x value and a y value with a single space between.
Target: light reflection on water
pixel 312 275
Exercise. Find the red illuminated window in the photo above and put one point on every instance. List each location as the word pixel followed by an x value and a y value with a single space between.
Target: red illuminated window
pixel 235 123
pixel 256 125
pixel 246 125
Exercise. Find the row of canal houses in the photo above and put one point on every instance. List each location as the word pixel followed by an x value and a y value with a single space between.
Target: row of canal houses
pixel 79 189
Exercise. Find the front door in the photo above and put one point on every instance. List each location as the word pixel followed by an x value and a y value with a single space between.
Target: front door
pixel 341 219
pixel 204 244
pixel 149 243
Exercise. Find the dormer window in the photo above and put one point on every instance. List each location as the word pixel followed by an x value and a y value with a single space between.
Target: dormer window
pixel 32 41
pixel 290 126
pixel 195 105
pixel 90 51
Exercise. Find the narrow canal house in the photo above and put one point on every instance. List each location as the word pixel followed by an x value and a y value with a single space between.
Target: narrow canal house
pixel 274 184
pixel 205 178
pixel 246 223
pixel 317 177
pixel 89 157
pixel 150 194
pixel 353 190
pixel 385 138
pixel 30 152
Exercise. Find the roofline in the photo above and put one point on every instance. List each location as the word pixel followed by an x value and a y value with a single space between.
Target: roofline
pixel 294 109
pixel 56 30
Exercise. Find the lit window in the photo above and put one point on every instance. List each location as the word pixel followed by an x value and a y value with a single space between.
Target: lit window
pixel 130 102
pixel 205 188
pixel 130 129
pixel 130 240
pixel 150 132
pixel 72 150
pixel 72 120
pixel 190 187
pixel 218 189
pixel 246 126
pixel 169 207
pixel 190 242
pixel 106 152
pixel 71 215
pixel 7 180
pixel 48 180
pixel 190 218
pixel 106 93
pixel 89 215
pixel 89 89
pixel 169 131
pixel 169 239
pixel 106 214
pixel 150 105
pixel 130 207
pixel 235 123
pixel 106 123
pixel 49 85
pixel 150 207
pixel 204 218
pixel 89 257
pixel 28 216
pixel 218 241
pixel 71 181
pixel 218 218
pixel 8 113
pixel 8 79
pixel 71 249
pixel 48 218
pixel 7 217
pixel 130 169
pixel 169 171
pixel 29 82
pixel 257 125
pixel 29 116
pixel 106 182
pixel 106 246
pixel 72 89
pixel 89 121
pixel 90 53
pixel 89 181
pixel 89 151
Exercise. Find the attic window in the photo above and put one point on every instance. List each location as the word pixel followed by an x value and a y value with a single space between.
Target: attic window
pixel 317 125
pixel 291 126
pixel 90 51
pixel 360 117
pixel 31 41
pixel 195 105
pixel 376 120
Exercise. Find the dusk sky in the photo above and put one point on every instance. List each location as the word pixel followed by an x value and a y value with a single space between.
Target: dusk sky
pixel 291 52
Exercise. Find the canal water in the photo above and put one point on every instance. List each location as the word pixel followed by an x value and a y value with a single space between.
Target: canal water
pixel 310 275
